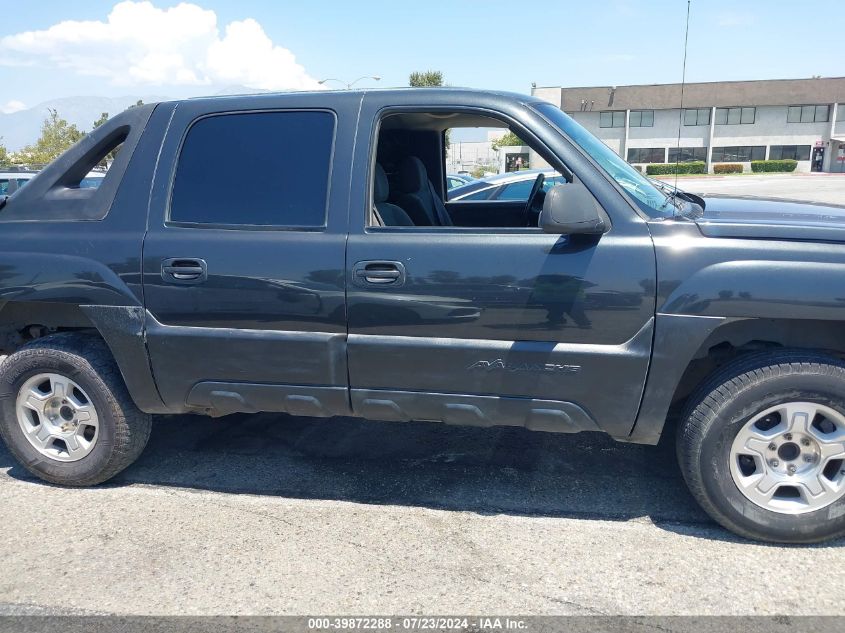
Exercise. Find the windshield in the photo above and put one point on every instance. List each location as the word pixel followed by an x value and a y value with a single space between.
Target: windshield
pixel 648 197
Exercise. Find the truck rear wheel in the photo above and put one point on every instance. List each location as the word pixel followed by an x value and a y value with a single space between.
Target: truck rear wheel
pixel 66 413
pixel 762 447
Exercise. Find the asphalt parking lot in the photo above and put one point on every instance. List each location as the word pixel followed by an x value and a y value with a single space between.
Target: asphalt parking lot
pixel 275 514
pixel 827 188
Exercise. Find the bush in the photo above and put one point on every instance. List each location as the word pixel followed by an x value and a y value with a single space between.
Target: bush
pixel 727 168
pixel 774 165
pixel 658 169
pixel 480 171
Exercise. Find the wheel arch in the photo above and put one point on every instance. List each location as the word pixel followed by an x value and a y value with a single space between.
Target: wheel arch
pixel 25 321
pixel 688 350
pixel 120 327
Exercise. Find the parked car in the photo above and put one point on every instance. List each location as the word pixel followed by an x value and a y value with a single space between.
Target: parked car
pixel 11 181
pixel 511 186
pixel 457 180
pixel 93 180
pixel 342 282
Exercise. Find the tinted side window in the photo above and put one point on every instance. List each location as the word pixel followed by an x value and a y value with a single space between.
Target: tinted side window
pixel 282 161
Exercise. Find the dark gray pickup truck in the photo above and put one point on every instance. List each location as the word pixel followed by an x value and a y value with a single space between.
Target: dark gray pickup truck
pixel 332 278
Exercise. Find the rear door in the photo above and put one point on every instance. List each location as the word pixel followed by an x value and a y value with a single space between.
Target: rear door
pixel 244 258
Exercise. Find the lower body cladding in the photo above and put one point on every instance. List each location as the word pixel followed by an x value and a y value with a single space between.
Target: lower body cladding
pixel 564 388
pixel 221 398
pixel 535 415
pixel 227 370
pixel 541 386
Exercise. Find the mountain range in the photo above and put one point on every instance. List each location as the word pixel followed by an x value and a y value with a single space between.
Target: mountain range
pixel 24 126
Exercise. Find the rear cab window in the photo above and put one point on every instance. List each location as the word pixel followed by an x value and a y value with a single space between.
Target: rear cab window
pixel 284 163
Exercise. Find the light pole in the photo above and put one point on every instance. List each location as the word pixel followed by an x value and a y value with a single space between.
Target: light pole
pixel 351 83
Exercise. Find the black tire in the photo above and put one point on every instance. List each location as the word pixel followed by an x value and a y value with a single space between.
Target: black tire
pixel 722 406
pixel 85 359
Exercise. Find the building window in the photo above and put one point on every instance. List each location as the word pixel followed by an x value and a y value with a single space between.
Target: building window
pixel 646 155
pixel 697 116
pixel 808 114
pixel 739 154
pixel 612 119
pixel 642 118
pixel 735 116
pixel 840 112
pixel 687 154
pixel 793 152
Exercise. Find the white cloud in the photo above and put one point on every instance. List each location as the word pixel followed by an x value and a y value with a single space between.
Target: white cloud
pixel 140 44
pixel 12 106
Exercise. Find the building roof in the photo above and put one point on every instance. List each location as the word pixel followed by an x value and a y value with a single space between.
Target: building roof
pixel 704 94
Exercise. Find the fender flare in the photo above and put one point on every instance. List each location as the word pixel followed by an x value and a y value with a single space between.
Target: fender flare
pixel 122 328
pixel 676 340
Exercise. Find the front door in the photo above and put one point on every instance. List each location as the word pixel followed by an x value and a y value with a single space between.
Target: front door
pixel 244 259
pixel 484 326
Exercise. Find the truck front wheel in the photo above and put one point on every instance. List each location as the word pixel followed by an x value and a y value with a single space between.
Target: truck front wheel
pixel 762 447
pixel 66 414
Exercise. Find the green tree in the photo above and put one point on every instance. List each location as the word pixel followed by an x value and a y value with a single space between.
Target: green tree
pixel 103 118
pixel 57 135
pixel 482 170
pixel 425 78
pixel 4 153
pixel 428 79
pixel 507 140
pixel 108 158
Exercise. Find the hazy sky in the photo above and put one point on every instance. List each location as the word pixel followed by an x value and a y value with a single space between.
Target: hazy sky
pixel 55 48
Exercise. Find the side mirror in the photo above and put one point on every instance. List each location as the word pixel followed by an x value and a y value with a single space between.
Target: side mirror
pixel 571 209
